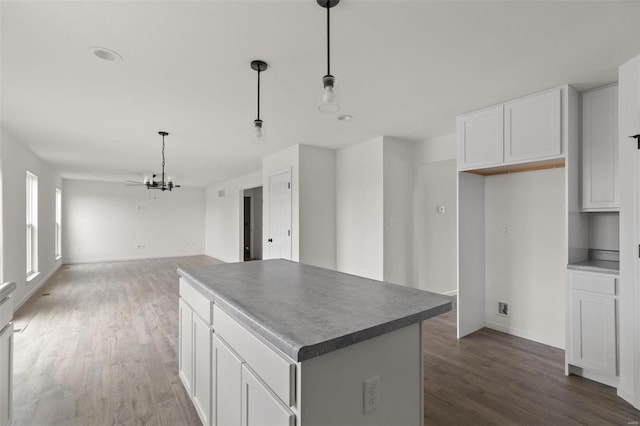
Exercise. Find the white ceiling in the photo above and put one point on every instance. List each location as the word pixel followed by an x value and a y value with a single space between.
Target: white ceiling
pixel 405 69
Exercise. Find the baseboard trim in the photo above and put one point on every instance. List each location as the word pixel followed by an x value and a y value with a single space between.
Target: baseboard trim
pixel 520 333
pixel 223 258
pixel 126 259
pixel 35 288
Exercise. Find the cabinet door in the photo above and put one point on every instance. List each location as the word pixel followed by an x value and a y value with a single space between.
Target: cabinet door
pixel 533 127
pixel 226 394
pixel 600 149
pixel 6 375
pixel 202 368
pixel 260 407
pixel 593 332
pixel 480 138
pixel 185 349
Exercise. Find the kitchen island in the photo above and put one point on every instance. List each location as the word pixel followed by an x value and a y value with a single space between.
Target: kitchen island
pixel 279 342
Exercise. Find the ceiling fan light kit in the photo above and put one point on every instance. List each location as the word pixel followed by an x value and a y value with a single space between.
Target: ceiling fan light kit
pixel 150 182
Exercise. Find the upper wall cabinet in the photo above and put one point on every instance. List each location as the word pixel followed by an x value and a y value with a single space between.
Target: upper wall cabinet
pixel 481 137
pixel 524 130
pixel 532 127
pixel 600 149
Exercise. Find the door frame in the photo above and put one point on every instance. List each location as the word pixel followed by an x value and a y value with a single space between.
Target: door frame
pixel 241 220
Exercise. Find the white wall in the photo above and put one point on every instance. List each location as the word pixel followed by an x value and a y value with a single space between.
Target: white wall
pixel 317 210
pixel 526 255
pixel 15 161
pixel 223 224
pixel 435 267
pixel 398 166
pixel 359 209
pixel 604 231
pixel 107 221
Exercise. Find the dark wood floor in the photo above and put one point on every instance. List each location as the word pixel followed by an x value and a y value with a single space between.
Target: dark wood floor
pixel 101 348
pixel 494 378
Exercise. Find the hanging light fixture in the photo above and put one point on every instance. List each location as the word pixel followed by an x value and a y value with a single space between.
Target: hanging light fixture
pixel 329 100
pixel 259 135
pixel 150 181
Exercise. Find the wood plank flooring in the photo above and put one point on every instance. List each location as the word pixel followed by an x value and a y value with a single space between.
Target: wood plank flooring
pixel 101 349
pixel 494 378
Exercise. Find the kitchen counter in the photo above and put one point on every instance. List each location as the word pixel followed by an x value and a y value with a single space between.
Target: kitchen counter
pixel 306 311
pixel 593 265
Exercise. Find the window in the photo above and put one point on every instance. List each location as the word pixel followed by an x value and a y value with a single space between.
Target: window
pixel 58 237
pixel 32 225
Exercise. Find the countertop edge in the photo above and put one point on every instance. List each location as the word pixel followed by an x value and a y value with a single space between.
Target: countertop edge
pixel 6 289
pixel 303 353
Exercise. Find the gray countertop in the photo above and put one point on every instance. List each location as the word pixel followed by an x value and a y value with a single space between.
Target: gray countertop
pixel 592 265
pixel 306 311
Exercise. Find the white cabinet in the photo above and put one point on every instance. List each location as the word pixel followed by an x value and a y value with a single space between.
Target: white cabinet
pixel 592 328
pixel 260 407
pixel 6 375
pixel 226 394
pixel 481 137
pixel 600 186
pixel 201 393
pixel 533 127
pixel 524 130
pixel 185 350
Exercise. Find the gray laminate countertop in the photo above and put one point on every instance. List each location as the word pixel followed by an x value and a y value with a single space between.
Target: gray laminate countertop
pixel 306 311
pixel 592 265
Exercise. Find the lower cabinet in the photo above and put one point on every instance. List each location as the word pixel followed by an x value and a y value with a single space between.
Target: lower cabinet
pixel 6 374
pixel 226 369
pixel 202 369
pixel 185 350
pixel 260 407
pixel 592 328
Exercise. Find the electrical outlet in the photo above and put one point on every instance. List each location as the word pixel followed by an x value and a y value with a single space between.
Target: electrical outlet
pixel 503 309
pixel 371 394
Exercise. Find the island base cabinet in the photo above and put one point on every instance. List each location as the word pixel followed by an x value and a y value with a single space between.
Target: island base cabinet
pixel 185 350
pixel 260 407
pixel 201 369
pixel 6 374
pixel 226 394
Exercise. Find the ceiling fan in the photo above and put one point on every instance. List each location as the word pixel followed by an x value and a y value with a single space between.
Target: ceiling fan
pixel 151 182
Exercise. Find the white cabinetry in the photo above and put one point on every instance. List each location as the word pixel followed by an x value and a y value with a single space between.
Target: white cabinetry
pixel 481 137
pixel 532 127
pixel 520 131
pixel 600 149
pixel 592 328
pixel 194 355
pixel 260 406
pixel 226 394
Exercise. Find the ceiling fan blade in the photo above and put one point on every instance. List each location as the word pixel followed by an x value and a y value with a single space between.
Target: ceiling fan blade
pixel 134 184
pixel 133 181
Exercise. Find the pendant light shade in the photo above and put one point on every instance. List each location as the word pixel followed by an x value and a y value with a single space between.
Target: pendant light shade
pixel 329 101
pixel 259 135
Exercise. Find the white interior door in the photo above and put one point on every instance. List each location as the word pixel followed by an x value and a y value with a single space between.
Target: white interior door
pixel 279 239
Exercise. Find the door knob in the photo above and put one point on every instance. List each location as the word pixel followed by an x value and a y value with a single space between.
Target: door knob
pixel 637 138
pixel 270 240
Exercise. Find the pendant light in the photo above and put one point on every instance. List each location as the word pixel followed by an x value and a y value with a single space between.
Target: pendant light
pixel 259 135
pixel 329 100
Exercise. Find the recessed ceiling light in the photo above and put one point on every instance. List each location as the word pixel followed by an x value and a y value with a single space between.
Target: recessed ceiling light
pixel 106 54
pixel 345 117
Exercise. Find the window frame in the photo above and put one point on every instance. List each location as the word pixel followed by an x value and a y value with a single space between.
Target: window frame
pixel 58 225
pixel 31 223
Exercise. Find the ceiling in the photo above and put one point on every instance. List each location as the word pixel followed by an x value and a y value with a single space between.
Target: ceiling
pixel 405 69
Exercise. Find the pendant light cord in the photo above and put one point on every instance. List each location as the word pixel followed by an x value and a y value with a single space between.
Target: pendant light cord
pixel 328 42
pixel 162 160
pixel 258 93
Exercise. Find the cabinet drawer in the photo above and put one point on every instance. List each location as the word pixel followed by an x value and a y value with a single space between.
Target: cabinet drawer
pixel 273 368
pixel 594 283
pixel 6 311
pixel 200 304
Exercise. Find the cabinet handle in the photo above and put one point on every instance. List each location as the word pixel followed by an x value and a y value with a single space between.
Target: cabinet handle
pixel 637 138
